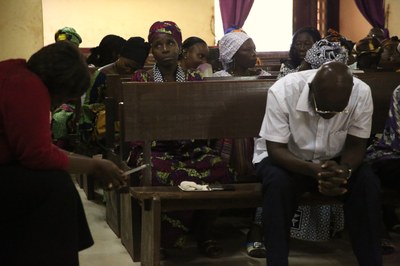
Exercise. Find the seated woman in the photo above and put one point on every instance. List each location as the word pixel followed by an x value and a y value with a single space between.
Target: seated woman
pixel 237 53
pixel 66 116
pixel 183 160
pixel 238 57
pixel 68 34
pixel 368 54
pixel 92 124
pixel 131 58
pixel 373 56
pixel 377 33
pixel 194 56
pixel 334 36
pixel 324 51
pixel 107 51
pixel 302 40
pixel 384 156
pixel 45 224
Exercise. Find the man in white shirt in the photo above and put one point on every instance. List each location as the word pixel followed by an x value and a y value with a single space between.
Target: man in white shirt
pixel 315 128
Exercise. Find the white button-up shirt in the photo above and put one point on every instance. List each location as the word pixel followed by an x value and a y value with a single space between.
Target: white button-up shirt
pixel 290 118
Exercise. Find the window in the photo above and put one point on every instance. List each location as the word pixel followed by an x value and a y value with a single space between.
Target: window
pixel 321 15
pixel 269 24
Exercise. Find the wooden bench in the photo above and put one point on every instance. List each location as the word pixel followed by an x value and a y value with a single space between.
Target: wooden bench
pixel 201 110
pixel 113 97
pixel 271 61
pixel 87 182
pixel 195 110
pixel 211 109
pixel 382 86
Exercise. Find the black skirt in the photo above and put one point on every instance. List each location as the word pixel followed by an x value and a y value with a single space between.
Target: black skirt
pixel 42 220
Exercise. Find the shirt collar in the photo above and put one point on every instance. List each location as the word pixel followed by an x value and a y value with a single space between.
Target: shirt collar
pixel 303 104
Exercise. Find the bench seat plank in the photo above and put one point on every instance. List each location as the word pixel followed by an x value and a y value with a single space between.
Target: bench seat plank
pixel 174 199
pixel 250 190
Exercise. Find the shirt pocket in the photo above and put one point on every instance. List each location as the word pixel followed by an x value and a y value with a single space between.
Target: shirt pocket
pixel 336 142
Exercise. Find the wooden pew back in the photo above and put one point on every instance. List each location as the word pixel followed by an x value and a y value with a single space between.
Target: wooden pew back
pixel 222 108
pixel 113 97
pixel 193 110
pixel 382 86
pixel 114 85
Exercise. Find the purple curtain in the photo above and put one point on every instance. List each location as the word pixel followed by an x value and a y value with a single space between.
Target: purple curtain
pixel 374 12
pixel 234 12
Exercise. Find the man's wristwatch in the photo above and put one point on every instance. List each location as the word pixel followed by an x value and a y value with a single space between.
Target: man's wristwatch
pixel 349 170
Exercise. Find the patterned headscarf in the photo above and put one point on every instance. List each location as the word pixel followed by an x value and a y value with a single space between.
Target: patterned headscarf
pixel 334 36
pixel 167 27
pixel 325 51
pixel 229 45
pixel 68 33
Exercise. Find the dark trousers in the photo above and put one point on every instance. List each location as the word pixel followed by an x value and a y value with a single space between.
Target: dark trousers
pixel 388 171
pixel 362 210
pixel 42 219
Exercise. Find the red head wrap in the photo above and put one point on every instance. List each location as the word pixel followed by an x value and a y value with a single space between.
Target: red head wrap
pixel 167 27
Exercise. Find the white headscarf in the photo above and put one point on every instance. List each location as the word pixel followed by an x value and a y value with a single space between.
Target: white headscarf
pixel 229 45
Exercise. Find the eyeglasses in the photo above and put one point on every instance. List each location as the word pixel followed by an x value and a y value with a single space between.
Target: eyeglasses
pixel 322 112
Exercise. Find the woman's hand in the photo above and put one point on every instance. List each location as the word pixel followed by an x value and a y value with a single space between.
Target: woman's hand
pixel 106 171
pixel 109 174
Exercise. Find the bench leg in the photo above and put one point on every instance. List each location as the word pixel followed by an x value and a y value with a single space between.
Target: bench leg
pixel 113 211
pixel 151 232
pixel 131 224
pixel 79 179
pixel 88 186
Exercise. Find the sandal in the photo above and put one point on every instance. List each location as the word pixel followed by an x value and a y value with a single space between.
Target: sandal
pixel 387 246
pixel 256 250
pixel 210 249
pixel 255 246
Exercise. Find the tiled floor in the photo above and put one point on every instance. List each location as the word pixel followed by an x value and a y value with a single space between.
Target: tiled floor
pixel 108 250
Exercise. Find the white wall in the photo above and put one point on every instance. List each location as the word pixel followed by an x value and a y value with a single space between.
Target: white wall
pixel 21 28
pixel 27 25
pixel 393 6
pixel 93 19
